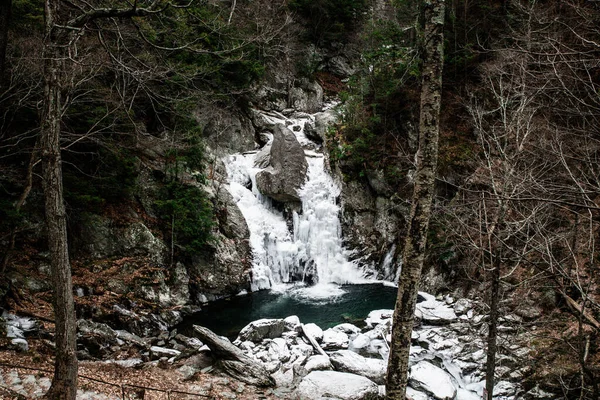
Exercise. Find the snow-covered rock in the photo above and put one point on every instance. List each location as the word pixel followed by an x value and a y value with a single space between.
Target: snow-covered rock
pixel 320 385
pixel 318 363
pixel 348 329
pixel 377 317
pixel 435 312
pixel 292 323
pixel 279 350
pixel 349 361
pixel 428 378
pixel 314 331
pixel 261 329
pixel 334 339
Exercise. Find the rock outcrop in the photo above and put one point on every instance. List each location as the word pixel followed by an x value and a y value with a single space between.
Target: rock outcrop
pixel 287 168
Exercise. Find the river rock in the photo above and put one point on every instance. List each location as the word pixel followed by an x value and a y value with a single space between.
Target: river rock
pixel 428 378
pixel 349 361
pixel 261 329
pixel 278 350
pixel 434 312
pixel 287 167
pixel 319 385
pixel 360 342
pixel 462 306
pixel 416 395
pixel 292 323
pixel 347 328
pixel 314 331
pixel 318 363
pixel 334 339
pixel 379 317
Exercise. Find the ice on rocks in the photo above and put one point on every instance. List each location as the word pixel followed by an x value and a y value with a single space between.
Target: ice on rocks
pixel 337 385
pixel 433 380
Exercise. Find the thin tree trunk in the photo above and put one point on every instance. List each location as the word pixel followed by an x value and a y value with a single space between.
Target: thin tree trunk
pixel 416 239
pixel 64 384
pixel 5 10
pixel 493 329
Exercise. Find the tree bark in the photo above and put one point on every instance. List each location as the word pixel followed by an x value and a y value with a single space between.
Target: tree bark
pixel 416 239
pixel 490 367
pixel 5 10
pixel 64 384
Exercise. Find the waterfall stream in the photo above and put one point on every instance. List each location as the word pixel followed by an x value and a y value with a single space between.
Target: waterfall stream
pixel 313 245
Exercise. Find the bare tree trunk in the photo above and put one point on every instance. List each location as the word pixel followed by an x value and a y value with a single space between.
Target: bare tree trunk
pixel 64 384
pixel 5 9
pixel 493 328
pixel 416 239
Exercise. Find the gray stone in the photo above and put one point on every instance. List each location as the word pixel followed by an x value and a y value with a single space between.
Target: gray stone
pixel 308 97
pixel 256 331
pixel 340 66
pixel 158 352
pixel 287 170
pixel 320 385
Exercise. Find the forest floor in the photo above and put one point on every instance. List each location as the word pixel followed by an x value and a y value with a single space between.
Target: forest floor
pixel 102 380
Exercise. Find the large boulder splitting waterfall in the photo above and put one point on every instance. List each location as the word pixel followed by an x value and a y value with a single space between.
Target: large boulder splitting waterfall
pixel 287 167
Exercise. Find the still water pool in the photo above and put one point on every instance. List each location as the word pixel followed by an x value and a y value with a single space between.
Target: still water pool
pixel 325 305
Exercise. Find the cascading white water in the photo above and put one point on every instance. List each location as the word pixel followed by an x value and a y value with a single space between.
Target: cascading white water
pixel 315 243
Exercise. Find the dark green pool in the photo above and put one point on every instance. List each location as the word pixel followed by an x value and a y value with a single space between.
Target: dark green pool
pixel 325 307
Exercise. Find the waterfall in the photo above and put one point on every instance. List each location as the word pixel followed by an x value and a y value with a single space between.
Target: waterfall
pixel 314 245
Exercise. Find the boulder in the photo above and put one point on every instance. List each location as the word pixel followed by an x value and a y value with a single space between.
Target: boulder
pixel 323 121
pixel 307 97
pixel 261 329
pixel 314 331
pixel 319 385
pixel 278 350
pixel 287 167
pixel 233 361
pixel 349 361
pixel 379 317
pixel 318 363
pixel 434 312
pixel 334 339
pixel 433 380
pixel 292 323
pixel 347 328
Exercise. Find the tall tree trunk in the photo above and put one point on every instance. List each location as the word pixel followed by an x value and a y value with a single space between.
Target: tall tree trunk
pixel 490 367
pixel 5 9
pixel 414 247
pixel 64 384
